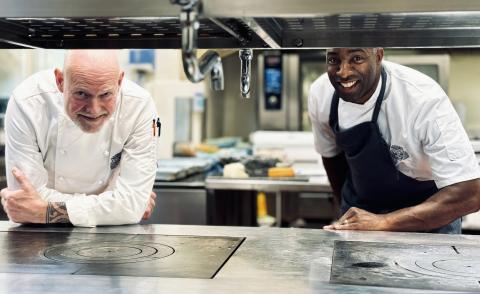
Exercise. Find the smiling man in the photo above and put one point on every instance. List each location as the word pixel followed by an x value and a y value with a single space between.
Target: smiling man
pixel 394 149
pixel 79 145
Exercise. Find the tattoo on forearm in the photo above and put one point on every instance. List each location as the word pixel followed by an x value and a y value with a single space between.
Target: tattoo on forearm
pixel 57 213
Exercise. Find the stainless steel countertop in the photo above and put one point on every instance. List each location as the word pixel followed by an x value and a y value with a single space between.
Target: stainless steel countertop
pixel 196 181
pixel 200 181
pixel 271 260
pixel 266 185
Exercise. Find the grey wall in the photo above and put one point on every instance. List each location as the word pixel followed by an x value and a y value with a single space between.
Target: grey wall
pixel 228 114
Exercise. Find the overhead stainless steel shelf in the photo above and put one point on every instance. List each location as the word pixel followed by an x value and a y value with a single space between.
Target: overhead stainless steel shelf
pixel 241 24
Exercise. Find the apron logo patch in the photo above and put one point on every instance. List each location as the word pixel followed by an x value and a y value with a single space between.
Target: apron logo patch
pixel 398 153
pixel 115 160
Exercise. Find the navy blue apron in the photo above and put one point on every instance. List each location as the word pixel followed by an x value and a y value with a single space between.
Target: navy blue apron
pixel 373 182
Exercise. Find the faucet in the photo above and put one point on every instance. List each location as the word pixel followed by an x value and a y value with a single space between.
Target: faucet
pixel 210 62
pixel 245 70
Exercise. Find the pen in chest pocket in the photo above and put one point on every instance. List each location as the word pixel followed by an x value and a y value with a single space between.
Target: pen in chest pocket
pixel 159 126
pixel 156 127
pixel 153 127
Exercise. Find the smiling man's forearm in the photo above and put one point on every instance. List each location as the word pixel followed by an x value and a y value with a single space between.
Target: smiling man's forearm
pixel 442 208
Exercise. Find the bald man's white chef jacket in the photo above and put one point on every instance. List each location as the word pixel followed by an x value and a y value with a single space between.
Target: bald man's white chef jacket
pixel 105 178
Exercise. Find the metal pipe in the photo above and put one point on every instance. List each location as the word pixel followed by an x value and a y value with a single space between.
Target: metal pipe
pixel 245 71
pixel 210 62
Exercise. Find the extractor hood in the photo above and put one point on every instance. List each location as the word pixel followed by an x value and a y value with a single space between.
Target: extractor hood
pixel 241 24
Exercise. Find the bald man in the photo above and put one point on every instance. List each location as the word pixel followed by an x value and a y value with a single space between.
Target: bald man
pixel 80 147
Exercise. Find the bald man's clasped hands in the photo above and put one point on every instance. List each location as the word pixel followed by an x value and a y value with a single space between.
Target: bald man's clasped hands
pixel 79 145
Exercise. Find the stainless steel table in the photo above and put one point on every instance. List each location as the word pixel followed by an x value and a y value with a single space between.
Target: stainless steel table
pixel 269 185
pixel 270 260
pixel 180 202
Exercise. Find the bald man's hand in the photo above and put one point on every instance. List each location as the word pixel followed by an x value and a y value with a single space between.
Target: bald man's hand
pixel 150 206
pixel 24 205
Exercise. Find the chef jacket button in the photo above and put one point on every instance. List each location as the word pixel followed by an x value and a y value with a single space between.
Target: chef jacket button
pixel 100 182
pixel 61 178
pixel 105 153
pixel 63 151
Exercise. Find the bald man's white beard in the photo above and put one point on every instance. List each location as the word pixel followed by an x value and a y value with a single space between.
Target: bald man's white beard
pixel 90 123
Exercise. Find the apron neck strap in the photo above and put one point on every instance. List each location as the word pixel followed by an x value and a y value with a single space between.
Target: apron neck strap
pixel 378 103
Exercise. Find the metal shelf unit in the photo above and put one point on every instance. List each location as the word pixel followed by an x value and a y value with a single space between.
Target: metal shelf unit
pixel 241 24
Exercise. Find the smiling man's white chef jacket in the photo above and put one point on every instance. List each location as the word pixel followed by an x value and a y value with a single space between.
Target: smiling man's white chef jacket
pixel 105 178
